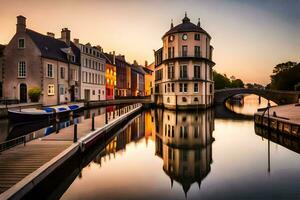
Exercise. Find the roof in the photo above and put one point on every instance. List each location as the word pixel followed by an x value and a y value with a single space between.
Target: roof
pixel 53 48
pixel 147 70
pixel 186 26
pixel 138 69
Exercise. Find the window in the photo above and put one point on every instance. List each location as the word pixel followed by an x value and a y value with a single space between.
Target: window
pixel 21 43
pixel 171 38
pixel 168 100
pixel 51 90
pixel 197 51
pixel 22 69
pixel 197 36
pixel 196 71
pixel 50 70
pixel 180 87
pixel 183 132
pixel 183 71
pixel 73 58
pixel 184 51
pixel 196 89
pixel 184 37
pixel 62 72
pixel 196 100
pixel 210 89
pixel 171 52
pixel 173 87
pixel 168 87
pixel 86 62
pixel 196 131
pixel 171 71
pixel 185 87
pixel 94 92
pixel 61 90
pixel 184 99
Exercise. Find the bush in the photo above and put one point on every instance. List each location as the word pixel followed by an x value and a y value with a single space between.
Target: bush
pixel 34 94
pixel 297 87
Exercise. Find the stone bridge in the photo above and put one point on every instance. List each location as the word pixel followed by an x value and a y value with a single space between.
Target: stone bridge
pixel 278 96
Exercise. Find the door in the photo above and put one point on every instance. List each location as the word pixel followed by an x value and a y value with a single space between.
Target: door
pixel 86 95
pixel 62 98
pixel 23 93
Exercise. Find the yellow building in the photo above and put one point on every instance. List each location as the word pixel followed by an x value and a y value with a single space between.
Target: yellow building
pixel 111 81
pixel 148 78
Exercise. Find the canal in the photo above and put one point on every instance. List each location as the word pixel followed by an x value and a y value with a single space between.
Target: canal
pixel 163 154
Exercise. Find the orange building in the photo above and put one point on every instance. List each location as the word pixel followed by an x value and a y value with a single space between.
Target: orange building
pixel 148 78
pixel 111 81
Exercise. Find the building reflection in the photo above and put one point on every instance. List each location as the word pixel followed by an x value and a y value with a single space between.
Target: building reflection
pixel 133 132
pixel 184 143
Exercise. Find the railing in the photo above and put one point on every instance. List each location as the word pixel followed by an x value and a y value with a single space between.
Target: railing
pixel 17 141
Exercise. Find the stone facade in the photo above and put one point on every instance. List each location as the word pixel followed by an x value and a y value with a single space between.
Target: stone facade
pixel 183 68
pixel 33 60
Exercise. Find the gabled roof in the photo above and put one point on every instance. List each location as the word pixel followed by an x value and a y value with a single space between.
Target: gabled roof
pixel 147 70
pixel 54 48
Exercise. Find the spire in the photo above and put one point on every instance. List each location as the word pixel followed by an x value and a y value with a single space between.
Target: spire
pixel 185 19
pixel 172 25
pixel 199 24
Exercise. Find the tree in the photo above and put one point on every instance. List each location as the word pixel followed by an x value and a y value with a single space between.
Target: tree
pixel 237 83
pixel 221 81
pixel 285 76
pixel 297 87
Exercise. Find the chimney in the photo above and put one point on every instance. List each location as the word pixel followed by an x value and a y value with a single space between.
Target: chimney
pixel 135 62
pixel 51 34
pixel 21 23
pixel 114 58
pixel 146 63
pixel 76 41
pixel 66 35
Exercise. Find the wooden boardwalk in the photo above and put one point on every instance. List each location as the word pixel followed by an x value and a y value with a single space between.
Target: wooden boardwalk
pixel 18 162
pixel 21 161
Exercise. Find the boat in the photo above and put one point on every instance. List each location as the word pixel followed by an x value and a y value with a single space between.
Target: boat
pixel 46 114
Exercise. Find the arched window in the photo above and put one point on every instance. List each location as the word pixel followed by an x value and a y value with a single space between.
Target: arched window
pixel 196 99
pixel 184 99
pixel 168 100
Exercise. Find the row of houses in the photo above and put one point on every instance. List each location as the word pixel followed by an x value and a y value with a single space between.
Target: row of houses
pixel 66 70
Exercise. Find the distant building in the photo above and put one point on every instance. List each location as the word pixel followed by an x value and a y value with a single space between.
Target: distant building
pixel 92 72
pixel 137 80
pixel 149 74
pixel 111 78
pixel 36 60
pixel 2 47
pixel 183 68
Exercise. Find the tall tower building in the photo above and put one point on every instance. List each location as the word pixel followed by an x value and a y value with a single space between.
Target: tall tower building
pixel 183 68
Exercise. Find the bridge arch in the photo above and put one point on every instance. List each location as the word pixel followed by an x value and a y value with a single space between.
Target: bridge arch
pixel 277 96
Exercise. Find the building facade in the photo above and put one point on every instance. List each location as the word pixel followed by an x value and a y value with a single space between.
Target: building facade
pixel 92 70
pixel 111 81
pixel 149 74
pixel 183 68
pixel 137 80
pixel 34 60
pixel 2 47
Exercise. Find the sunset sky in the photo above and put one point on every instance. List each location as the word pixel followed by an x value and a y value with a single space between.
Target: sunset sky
pixel 249 37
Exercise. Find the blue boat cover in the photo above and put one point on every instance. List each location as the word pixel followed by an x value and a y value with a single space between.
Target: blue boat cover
pixel 48 110
pixel 73 107
pixel 62 109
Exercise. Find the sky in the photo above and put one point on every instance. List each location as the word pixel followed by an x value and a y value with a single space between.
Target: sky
pixel 249 36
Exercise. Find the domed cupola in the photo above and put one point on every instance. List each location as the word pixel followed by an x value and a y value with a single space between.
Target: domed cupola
pixel 185 19
pixel 186 26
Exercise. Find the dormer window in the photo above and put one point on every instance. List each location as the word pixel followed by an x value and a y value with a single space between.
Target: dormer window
pixel 21 43
pixel 73 58
pixel 171 38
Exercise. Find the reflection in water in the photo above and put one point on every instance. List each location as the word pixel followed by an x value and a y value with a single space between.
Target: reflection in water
pixel 249 105
pixel 180 149
pixel 184 142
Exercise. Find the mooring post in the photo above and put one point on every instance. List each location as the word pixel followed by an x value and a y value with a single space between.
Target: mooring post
pixel 105 117
pixel 75 133
pixel 93 122
pixel 114 112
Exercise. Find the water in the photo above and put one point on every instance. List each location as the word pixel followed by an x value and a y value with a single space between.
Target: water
pixel 169 155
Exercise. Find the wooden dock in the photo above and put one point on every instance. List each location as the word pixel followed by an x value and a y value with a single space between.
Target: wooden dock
pixel 20 166
pixel 285 119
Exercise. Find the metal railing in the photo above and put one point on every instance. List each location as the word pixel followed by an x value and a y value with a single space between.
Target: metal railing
pixel 17 141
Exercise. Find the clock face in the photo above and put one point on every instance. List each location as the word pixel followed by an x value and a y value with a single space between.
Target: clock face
pixel 184 36
pixel 171 38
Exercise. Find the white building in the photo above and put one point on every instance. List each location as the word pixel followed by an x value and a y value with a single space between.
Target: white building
pixel 183 68
pixel 92 70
